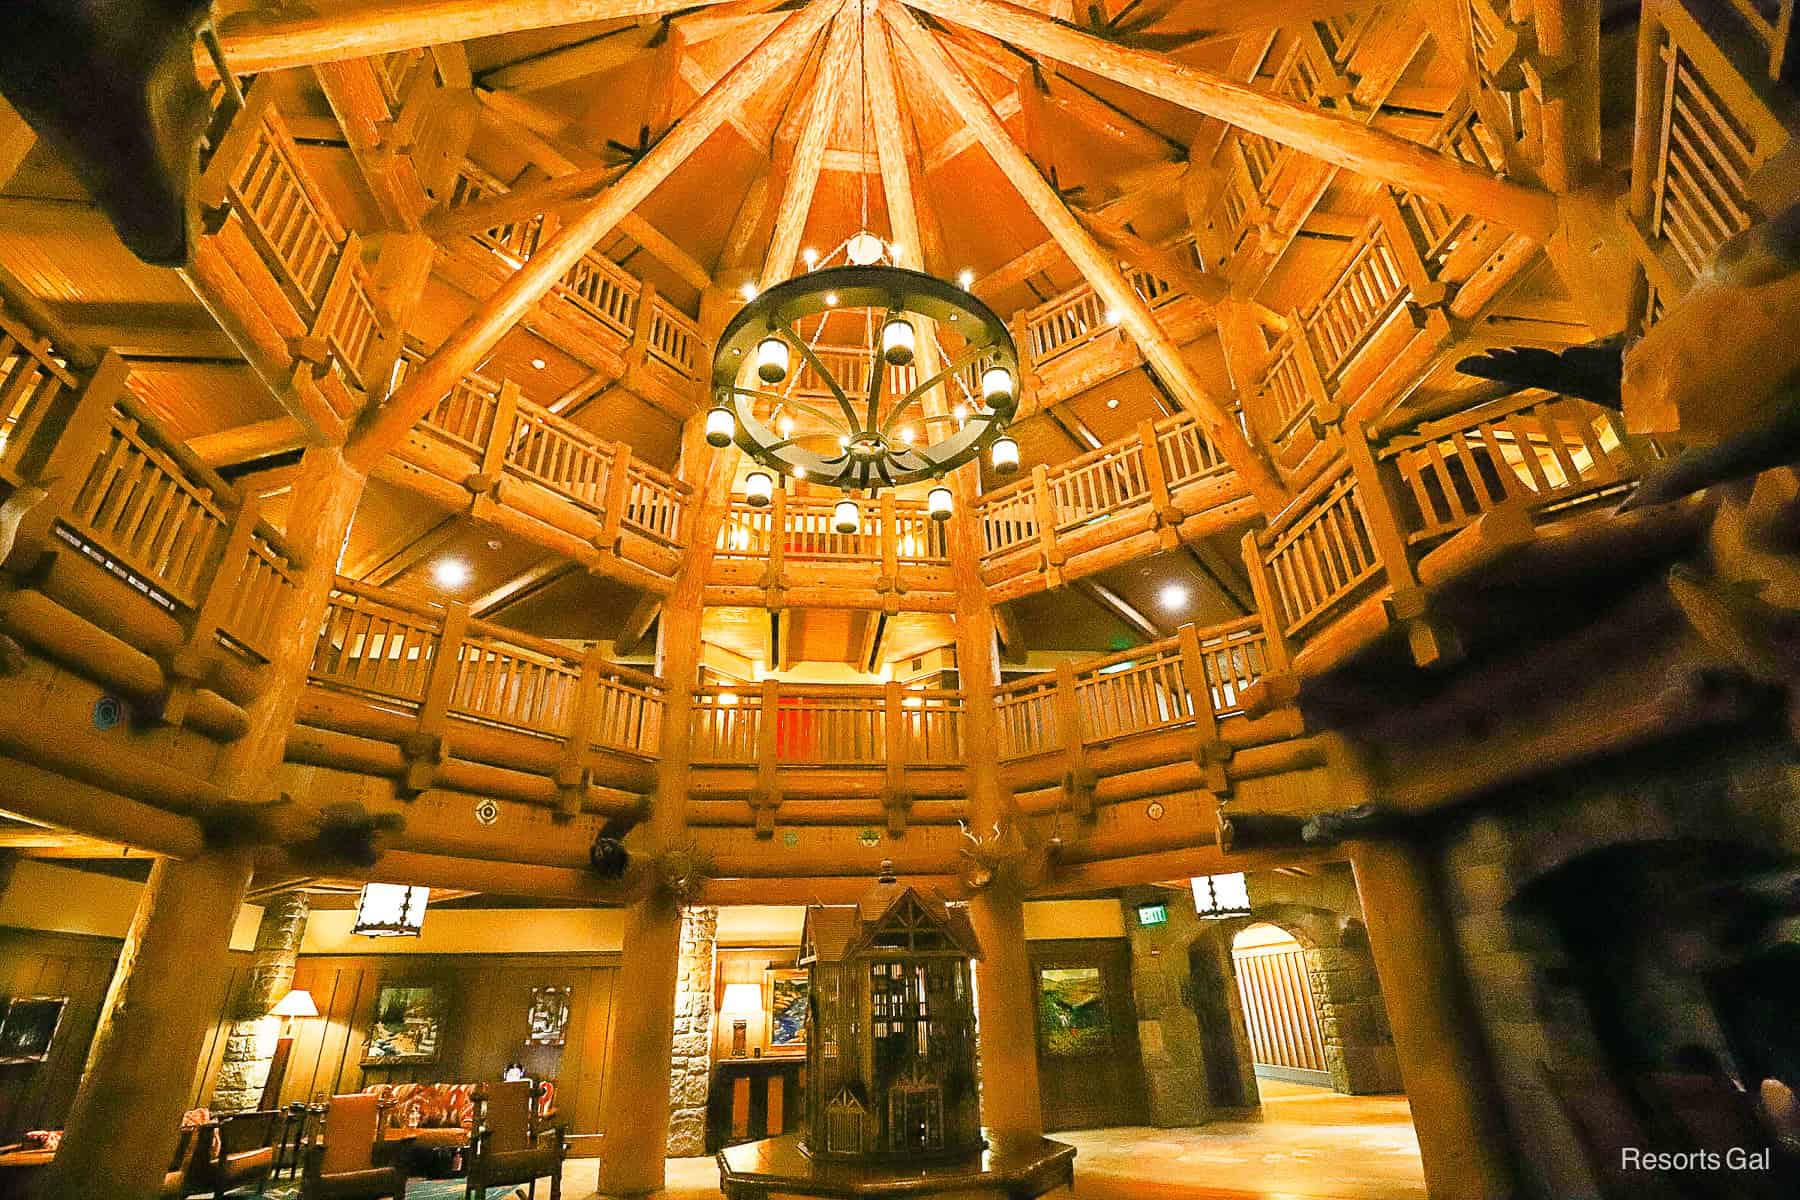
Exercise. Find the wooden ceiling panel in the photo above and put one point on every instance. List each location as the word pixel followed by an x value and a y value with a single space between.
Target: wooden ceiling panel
pixel 577 605
pixel 66 251
pixel 387 520
pixel 1067 619
pixel 1169 590
pixel 194 399
pixel 490 557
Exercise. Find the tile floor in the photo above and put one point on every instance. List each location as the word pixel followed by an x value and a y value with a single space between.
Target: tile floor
pixel 1311 1144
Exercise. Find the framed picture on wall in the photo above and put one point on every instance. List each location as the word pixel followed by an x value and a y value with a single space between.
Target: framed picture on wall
pixel 786 993
pixel 27 1027
pixel 547 1024
pixel 407 1026
pixel 1072 1018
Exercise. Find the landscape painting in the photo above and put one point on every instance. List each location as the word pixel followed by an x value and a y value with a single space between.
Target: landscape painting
pixel 1072 1012
pixel 406 1026
pixel 786 993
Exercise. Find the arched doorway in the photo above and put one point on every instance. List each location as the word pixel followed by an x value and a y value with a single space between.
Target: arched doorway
pixel 1281 1014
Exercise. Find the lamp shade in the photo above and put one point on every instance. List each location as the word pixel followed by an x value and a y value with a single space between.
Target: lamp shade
pixel 1006 456
pixel 897 342
pixel 846 517
pixel 720 426
pixel 390 910
pixel 297 1003
pixel 1218 896
pixel 759 489
pixel 940 503
pixel 771 360
pixel 740 1000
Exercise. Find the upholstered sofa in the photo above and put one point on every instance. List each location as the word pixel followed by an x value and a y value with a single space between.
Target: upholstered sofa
pixel 439 1117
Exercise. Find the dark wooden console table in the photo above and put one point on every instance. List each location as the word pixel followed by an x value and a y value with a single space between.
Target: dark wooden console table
pixel 753 1098
pixel 1021 1168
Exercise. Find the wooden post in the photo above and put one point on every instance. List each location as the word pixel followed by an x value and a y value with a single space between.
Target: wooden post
pixel 634 1106
pixel 618 495
pixel 1045 512
pixel 424 748
pixel 768 726
pixel 1436 1033
pixel 639 349
pixel 122 1128
pixel 571 772
pixel 1209 752
pixel 888 514
pixel 1162 505
pixel 1078 780
pixel 493 455
pixel 778 519
pixel 71 440
pixel 223 575
pixel 898 752
pixel 1262 589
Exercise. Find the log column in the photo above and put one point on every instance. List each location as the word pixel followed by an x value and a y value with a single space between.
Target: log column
pixel 250 1047
pixel 1435 1031
pixel 634 1107
pixel 122 1129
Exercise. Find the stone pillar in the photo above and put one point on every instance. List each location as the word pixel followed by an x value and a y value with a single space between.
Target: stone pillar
pixel 1436 1035
pixel 122 1128
pixel 250 1046
pixel 690 1069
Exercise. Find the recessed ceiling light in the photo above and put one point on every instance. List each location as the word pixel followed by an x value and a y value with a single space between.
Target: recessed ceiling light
pixel 1113 403
pixel 1173 597
pixel 537 364
pixel 451 573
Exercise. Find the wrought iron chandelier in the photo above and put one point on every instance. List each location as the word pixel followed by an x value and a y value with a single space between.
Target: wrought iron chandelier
pixel 864 414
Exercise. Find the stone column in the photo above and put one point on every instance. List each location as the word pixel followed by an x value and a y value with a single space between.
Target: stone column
pixel 1436 1036
pixel 250 1046
pixel 122 1128
pixel 690 1070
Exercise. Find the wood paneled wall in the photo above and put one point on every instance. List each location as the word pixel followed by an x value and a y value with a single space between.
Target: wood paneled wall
pixel 486 997
pixel 35 963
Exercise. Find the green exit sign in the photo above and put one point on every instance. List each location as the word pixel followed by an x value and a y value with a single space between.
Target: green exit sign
pixel 1153 914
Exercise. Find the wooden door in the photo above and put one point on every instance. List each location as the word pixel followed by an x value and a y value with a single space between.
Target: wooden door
pixel 1089 1072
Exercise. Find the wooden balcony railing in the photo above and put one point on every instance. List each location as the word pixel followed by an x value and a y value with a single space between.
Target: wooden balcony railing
pixel 256 185
pixel 132 499
pixel 1076 317
pixel 1197 676
pixel 1060 510
pixel 813 726
pixel 1321 560
pixel 507 435
pixel 808 534
pixel 441 665
pixel 596 286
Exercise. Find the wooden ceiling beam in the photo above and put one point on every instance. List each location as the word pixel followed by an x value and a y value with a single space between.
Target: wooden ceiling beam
pixel 521 586
pixel 484 328
pixel 1109 121
pixel 637 622
pixel 1098 267
pixel 911 222
pixel 747 19
pixel 809 152
pixel 593 57
pixel 389 566
pixel 1119 607
pixel 247 443
pixel 272 39
pixel 1322 134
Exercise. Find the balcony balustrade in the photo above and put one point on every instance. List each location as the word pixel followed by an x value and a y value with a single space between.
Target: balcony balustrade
pixel 897 540
pixel 204 580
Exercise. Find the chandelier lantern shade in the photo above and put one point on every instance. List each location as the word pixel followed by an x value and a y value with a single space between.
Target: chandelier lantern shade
pixel 897 342
pixel 846 517
pixel 1006 456
pixel 759 488
pixel 390 910
pixel 720 426
pixel 771 360
pixel 939 503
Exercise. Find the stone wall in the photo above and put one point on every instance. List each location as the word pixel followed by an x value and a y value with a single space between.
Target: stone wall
pixel 250 1045
pixel 690 1069
pixel 1517 870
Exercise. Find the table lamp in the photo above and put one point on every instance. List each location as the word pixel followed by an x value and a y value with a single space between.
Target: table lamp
pixel 297 1003
pixel 741 1000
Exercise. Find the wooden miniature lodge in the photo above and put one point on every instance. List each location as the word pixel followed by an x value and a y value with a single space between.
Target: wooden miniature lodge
pixel 890 1054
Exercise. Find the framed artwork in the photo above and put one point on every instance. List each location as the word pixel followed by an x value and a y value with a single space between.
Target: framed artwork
pixel 547 1024
pixel 786 994
pixel 28 1026
pixel 1072 1018
pixel 406 1028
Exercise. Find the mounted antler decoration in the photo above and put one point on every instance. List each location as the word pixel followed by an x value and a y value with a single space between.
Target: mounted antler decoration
pixel 679 871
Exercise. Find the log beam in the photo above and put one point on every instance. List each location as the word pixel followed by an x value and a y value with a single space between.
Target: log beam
pixel 809 153
pixel 261 40
pixel 472 340
pixel 1096 265
pixel 1324 135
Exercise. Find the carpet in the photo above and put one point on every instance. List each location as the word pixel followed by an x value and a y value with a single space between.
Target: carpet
pixel 416 1189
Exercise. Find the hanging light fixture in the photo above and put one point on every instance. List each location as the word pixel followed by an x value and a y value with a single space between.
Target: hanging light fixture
pixel 759 489
pixel 1006 456
pixel 772 360
pixel 868 424
pixel 997 389
pixel 940 503
pixel 720 425
pixel 390 910
pixel 846 517
pixel 897 342
pixel 1220 896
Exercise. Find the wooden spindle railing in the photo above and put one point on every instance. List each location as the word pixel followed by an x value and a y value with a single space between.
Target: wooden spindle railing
pixel 808 534
pixel 1323 556
pixel 1076 317
pixel 34 375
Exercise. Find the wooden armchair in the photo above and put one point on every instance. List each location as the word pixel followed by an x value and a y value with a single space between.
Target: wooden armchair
pixel 509 1147
pixel 352 1161
pixel 174 1184
pixel 241 1152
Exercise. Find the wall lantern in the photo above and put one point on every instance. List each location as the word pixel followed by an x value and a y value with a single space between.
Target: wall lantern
pixel 1221 896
